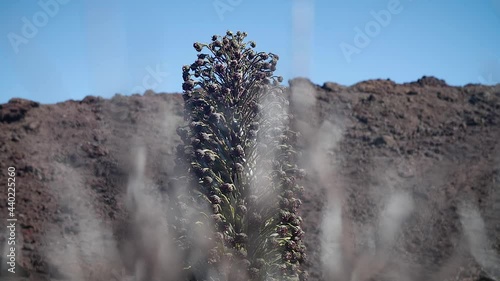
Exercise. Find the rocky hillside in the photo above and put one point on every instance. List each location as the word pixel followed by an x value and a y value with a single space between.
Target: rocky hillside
pixel 403 183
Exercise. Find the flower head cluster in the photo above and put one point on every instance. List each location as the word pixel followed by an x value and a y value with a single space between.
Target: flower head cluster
pixel 230 70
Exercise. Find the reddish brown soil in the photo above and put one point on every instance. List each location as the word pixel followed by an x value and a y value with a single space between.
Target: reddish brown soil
pixel 438 143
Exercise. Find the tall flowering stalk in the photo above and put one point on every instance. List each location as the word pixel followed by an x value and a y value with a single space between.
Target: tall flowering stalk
pixel 240 166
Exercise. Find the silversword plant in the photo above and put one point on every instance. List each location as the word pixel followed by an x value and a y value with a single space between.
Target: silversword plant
pixel 242 183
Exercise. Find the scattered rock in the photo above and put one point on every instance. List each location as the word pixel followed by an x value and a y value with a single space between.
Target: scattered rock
pixel 431 81
pixel 94 150
pixel 15 137
pixel 362 119
pixel 332 87
pixel 299 81
pixel 384 140
pixel 149 92
pixel 445 97
pixel 15 109
pixel 91 99
pixel 32 126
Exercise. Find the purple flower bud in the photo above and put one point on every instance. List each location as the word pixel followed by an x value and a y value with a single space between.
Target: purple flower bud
pixel 227 187
pixel 215 117
pixel 204 137
pixel 195 142
pixel 287 256
pixel 216 208
pixel 300 190
pixel 208 109
pixel 196 126
pixel 188 85
pixel 240 238
pixel 197 46
pixel 287 182
pixel 284 203
pixel 291 245
pixel 207 180
pixel 295 220
pixel 215 199
pixel 220 68
pixel 218 218
pixel 199 153
pixel 298 232
pixel 242 210
pixel 238 151
pixel 285 216
pixel 282 230
pixel 239 167
pixel 211 88
pixel 237 76
pixel 198 171
pixel 296 203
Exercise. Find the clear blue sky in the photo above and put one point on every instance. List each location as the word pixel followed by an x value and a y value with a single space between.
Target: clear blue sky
pixel 103 47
